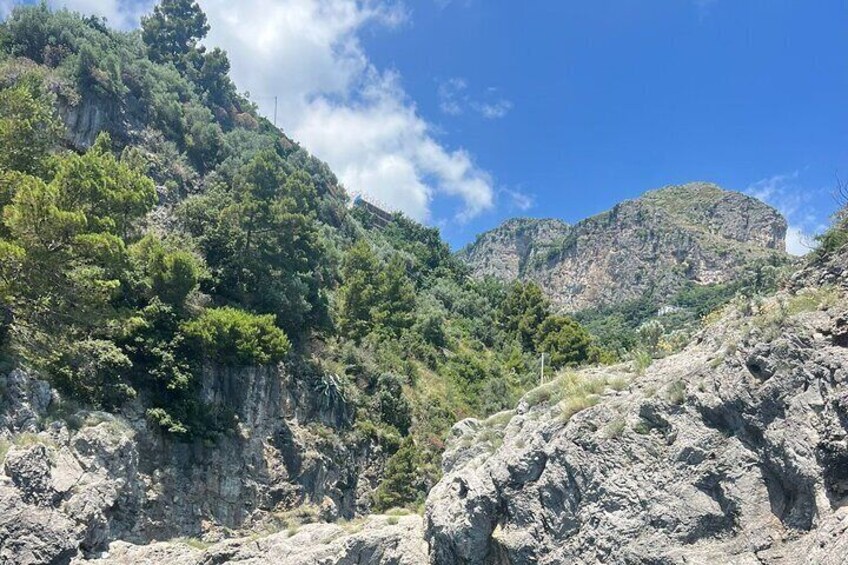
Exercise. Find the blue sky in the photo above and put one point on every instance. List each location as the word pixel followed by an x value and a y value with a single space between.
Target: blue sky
pixel 608 99
pixel 466 112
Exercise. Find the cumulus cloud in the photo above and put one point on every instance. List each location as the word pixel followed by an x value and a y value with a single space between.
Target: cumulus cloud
pixel 339 105
pixel 782 192
pixel 122 14
pixel 331 97
pixel 455 100
pixel 335 101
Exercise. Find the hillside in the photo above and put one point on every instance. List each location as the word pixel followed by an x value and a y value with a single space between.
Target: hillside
pixel 653 245
pixel 209 354
pixel 731 451
pixel 200 335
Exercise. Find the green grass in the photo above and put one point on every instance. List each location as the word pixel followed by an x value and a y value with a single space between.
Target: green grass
pixel 353 526
pixel 292 520
pixel 641 361
pixel 812 300
pixel 195 543
pixel 615 428
pixel 492 437
pixel 575 404
pixel 676 393
pixel 398 512
pixel 619 383
pixel 500 419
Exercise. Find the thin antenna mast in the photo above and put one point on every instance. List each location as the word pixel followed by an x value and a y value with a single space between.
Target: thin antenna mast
pixel 275 111
pixel 542 376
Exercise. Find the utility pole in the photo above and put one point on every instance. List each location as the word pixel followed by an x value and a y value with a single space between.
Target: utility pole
pixel 275 111
pixel 542 376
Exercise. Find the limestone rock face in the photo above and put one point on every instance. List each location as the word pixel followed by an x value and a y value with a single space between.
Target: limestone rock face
pixel 696 232
pixel 732 451
pixel 69 486
pixel 506 252
pixel 379 540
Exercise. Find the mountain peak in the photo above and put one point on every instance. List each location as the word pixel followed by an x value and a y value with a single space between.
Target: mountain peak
pixel 696 232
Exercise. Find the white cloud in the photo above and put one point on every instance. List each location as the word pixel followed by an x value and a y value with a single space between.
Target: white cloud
pixel 335 101
pixel 495 110
pixel 799 242
pixel 122 14
pixel 454 100
pixel 452 96
pixel 782 192
pixel 520 200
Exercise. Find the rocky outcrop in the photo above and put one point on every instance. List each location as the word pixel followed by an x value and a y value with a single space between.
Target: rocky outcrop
pixel 72 482
pixel 505 252
pixel 696 232
pixel 379 540
pixel 732 451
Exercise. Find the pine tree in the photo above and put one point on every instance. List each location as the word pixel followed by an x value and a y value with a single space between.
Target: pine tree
pixel 173 31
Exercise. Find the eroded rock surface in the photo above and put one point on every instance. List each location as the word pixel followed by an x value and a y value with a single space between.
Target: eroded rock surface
pixel 695 232
pixel 71 483
pixel 379 540
pixel 733 451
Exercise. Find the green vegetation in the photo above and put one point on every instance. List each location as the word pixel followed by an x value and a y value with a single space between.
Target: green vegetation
pixel 642 326
pixel 234 337
pixel 572 393
pixel 677 392
pixel 201 237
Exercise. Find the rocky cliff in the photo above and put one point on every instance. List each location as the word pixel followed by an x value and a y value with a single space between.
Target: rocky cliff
pixel 695 232
pixel 733 451
pixel 73 481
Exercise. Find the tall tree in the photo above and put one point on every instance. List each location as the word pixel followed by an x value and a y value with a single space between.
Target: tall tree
pixel 393 311
pixel 522 313
pixel 359 292
pixel 261 242
pixel 29 128
pixel 173 31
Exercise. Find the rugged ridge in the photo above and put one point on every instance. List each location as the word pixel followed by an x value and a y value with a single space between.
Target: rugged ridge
pixel 695 232
pixel 732 451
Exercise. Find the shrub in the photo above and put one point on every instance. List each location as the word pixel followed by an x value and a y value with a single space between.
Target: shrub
pixel 171 273
pixel 615 428
pixel 401 485
pixel 234 337
pixel 641 361
pixel 677 393
pixel 565 340
pixel 832 240
pixel 93 370
pixel 393 406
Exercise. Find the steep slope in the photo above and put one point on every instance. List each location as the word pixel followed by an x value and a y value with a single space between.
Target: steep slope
pixel 198 337
pixel 695 232
pixel 731 451
pixel 505 252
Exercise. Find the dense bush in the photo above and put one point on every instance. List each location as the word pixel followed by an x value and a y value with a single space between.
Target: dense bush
pixel 401 484
pixel 238 338
pixel 170 272
pixel 95 371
